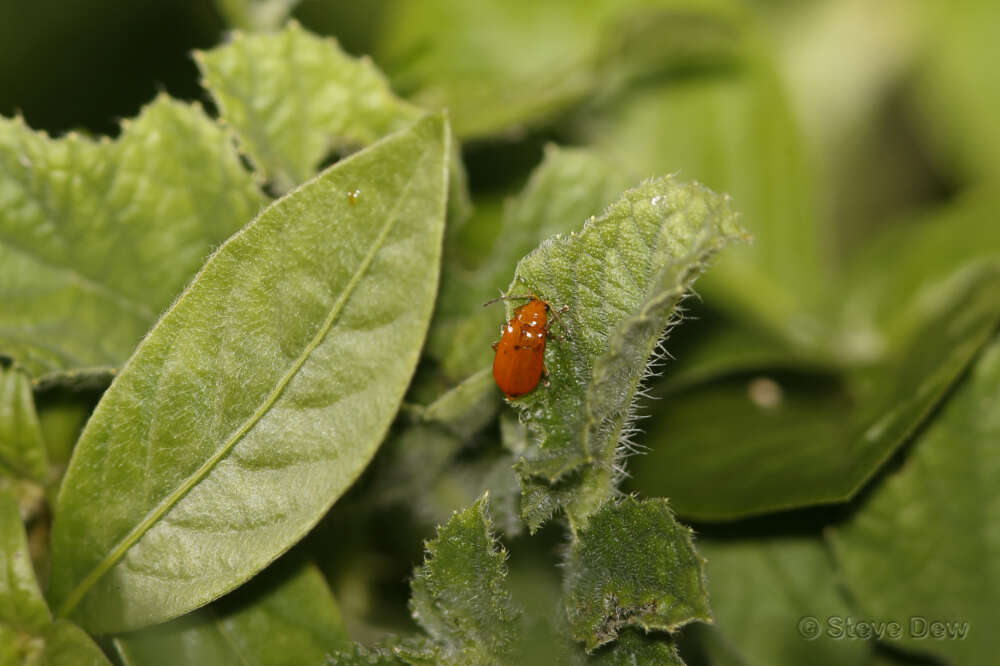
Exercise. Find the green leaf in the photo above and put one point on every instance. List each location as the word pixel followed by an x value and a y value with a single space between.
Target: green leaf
pixel 569 185
pixel 807 439
pixel 293 98
pixel 259 397
pixel 492 64
pixel 256 14
pixel 957 90
pixel 924 543
pixel 22 449
pixel 622 277
pixel 633 647
pixel 27 633
pixel 776 602
pixel 66 643
pixel 22 608
pixel 733 130
pixel 98 237
pixel 897 276
pixel 460 596
pixel 354 24
pixel 633 566
pixel 286 616
pixel 466 408
pixel 358 655
pixel 416 466
pixel 501 66
pixel 710 347
pixel 61 416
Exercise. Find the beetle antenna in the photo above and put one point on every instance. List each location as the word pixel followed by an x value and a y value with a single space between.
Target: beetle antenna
pixel 503 297
pixel 494 300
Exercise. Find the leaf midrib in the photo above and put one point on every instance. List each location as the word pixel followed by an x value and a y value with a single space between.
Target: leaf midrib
pixel 173 498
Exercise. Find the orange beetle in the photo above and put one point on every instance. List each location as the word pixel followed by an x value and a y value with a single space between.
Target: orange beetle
pixel 520 360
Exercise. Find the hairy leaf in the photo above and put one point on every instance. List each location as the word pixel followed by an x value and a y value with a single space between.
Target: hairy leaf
pixel 460 595
pixel 98 237
pixel 22 449
pixel 286 616
pixel 777 602
pixel 358 655
pixel 261 394
pixel 633 565
pixel 622 277
pixel 632 648
pixel 569 185
pixel 813 439
pixel 293 98
pixel 925 543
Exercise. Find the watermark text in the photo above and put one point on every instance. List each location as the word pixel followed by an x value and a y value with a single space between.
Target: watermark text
pixel 845 627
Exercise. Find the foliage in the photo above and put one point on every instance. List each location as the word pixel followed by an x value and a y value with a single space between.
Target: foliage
pixel 246 409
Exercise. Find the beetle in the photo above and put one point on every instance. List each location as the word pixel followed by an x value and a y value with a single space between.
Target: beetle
pixel 520 354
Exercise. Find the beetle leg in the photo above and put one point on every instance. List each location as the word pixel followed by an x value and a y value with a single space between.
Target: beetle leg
pixel 545 376
pixel 494 345
pixel 555 313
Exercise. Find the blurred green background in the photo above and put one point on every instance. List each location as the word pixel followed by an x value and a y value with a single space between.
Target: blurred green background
pixel 860 139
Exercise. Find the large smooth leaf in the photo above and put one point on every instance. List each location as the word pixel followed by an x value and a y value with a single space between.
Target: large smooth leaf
pixel 746 445
pixel 22 449
pixel 777 602
pixel 260 395
pixel 622 277
pixel 284 617
pixel 925 543
pixel 98 237
pixel 292 98
pixel 634 565
pixel 27 633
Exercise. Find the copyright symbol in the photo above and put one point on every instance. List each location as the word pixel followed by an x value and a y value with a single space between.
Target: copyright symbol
pixel 809 627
